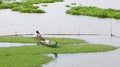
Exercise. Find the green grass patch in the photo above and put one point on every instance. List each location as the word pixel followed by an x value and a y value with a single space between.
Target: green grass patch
pixel 20 39
pixel 94 11
pixel 73 3
pixel 67 5
pixel 27 6
pixel 37 50
pixel 17 39
pixel 67 40
pixel 24 60
pixel 22 7
pixel 34 56
pixel 44 5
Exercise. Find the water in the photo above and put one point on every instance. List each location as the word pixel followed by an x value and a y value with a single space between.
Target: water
pixel 7 44
pixel 103 59
pixel 99 59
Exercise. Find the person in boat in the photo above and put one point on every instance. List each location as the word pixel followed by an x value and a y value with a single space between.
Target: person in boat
pixel 38 34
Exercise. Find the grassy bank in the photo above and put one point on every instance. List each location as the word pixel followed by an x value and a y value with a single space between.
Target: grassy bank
pixel 24 60
pixel 94 11
pixel 36 40
pixel 34 56
pixel 66 45
pixel 27 6
pixel 37 50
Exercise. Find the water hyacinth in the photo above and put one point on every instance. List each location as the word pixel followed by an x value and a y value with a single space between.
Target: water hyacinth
pixel 44 5
pixel 35 56
pixel 73 3
pixel 28 9
pixel 94 11
pixel 26 6
pixel 24 60
pixel 67 5
pixel 35 40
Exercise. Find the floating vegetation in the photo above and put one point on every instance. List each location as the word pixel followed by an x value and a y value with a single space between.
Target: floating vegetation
pixel 34 56
pixel 67 5
pixel 35 40
pixel 45 5
pixel 28 9
pixel 94 11
pixel 73 3
pixel 27 6
pixel 22 7
pixel 24 60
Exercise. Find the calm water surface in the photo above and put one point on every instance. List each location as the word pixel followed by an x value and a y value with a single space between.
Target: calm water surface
pixel 105 59
pixel 7 44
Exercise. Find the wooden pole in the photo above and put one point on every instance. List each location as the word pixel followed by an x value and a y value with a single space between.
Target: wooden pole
pixel 111 29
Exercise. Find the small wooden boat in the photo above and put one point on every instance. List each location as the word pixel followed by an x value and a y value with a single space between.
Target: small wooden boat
pixel 49 43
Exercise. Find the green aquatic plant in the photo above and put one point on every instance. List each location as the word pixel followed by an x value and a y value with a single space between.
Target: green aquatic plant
pixel 22 7
pixel 35 56
pixel 28 9
pixel 67 5
pixel 70 48
pixel 45 5
pixel 21 39
pixel 73 3
pixel 94 11
pixel 24 60
pixel 26 6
